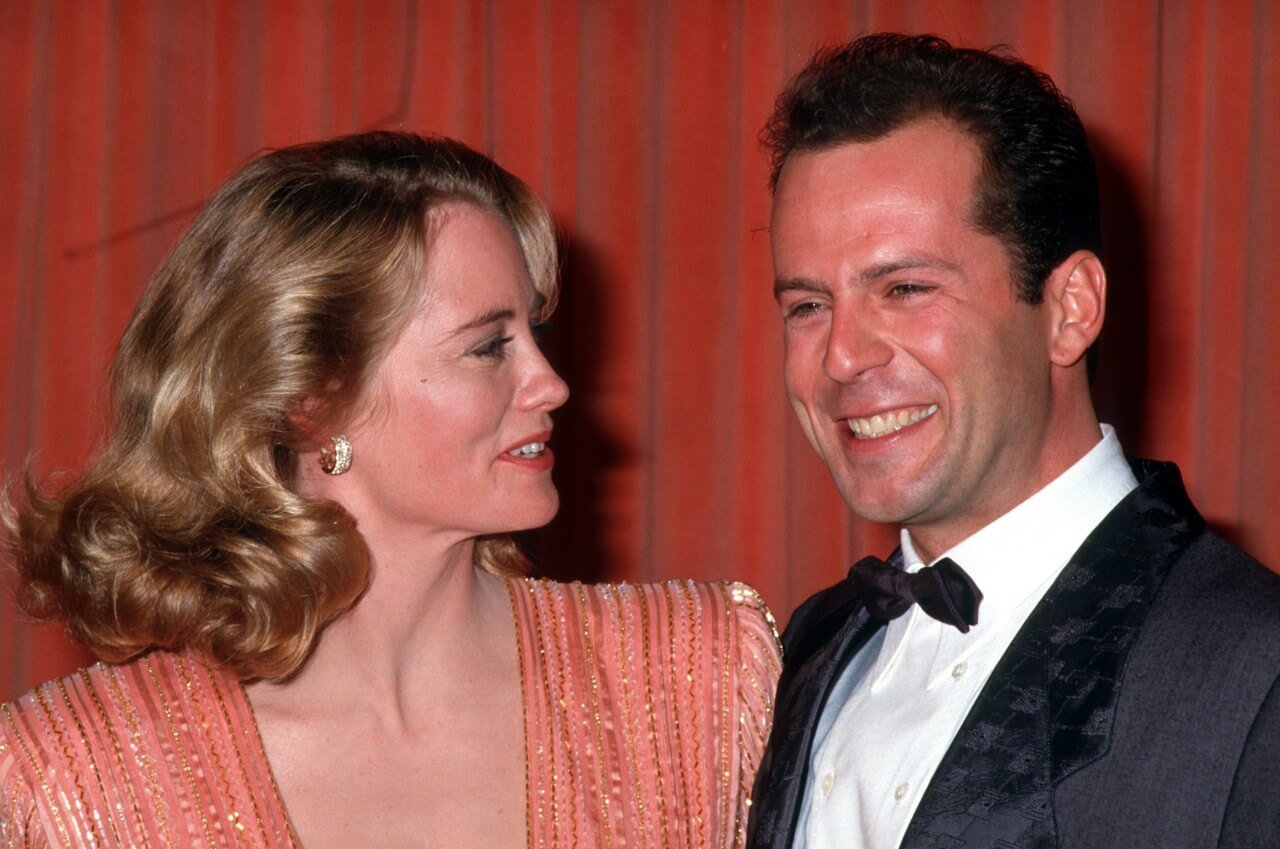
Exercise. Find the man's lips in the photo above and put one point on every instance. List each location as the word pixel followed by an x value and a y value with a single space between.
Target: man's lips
pixel 888 422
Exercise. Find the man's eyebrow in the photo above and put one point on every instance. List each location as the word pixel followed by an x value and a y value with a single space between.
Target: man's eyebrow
pixel 489 317
pixel 867 275
pixel 799 284
pixel 884 269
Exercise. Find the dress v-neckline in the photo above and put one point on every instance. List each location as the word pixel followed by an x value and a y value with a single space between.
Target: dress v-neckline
pixel 237 688
pixel 260 750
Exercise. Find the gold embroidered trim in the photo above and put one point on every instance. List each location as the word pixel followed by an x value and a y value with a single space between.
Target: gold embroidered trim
pixel 175 732
pixel 110 728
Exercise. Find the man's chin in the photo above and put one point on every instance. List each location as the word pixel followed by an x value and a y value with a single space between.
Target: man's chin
pixel 885 507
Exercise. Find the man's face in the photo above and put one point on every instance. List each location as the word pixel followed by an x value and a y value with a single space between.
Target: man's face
pixel 917 374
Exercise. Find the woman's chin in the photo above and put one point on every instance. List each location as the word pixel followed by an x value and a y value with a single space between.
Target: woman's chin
pixel 545 517
pixel 535 514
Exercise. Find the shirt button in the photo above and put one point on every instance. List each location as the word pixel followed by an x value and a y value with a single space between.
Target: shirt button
pixel 828 781
pixel 900 791
pixel 958 671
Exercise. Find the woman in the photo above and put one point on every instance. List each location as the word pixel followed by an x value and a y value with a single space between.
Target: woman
pixel 330 409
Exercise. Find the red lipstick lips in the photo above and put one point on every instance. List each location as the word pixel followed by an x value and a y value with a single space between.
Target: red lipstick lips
pixel 531 453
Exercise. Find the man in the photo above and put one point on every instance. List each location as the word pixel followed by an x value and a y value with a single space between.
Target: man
pixel 1087 666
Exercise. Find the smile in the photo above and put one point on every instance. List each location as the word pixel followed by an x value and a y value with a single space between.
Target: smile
pixel 532 449
pixel 883 424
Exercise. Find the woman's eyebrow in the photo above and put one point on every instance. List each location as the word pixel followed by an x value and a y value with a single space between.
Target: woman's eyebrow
pixel 489 317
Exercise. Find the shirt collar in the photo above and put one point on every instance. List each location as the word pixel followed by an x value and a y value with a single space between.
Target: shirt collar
pixel 1015 558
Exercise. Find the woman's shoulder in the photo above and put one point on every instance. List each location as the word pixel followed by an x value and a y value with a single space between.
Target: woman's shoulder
pixel 92 717
pixel 55 737
pixel 117 749
pixel 44 729
pixel 668 687
pixel 672 597
pixel 111 694
pixel 668 619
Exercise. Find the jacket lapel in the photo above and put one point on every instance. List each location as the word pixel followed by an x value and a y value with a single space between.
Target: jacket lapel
pixel 1049 706
pixel 822 638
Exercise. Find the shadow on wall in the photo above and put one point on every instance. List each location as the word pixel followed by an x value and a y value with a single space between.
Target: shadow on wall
pixel 1120 386
pixel 1120 382
pixel 573 546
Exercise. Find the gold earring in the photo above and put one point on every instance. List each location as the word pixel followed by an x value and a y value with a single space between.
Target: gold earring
pixel 338 460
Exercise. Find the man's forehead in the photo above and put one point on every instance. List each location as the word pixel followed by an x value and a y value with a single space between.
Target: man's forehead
pixel 938 151
pixel 908 195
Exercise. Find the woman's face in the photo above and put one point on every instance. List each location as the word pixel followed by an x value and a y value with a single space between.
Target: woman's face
pixel 463 401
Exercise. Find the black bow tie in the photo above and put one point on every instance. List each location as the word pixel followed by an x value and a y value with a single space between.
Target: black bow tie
pixel 943 591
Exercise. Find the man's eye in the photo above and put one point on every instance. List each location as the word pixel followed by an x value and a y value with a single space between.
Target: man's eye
pixel 494 348
pixel 906 290
pixel 803 309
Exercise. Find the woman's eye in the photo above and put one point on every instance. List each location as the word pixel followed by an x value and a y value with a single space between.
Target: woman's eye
pixel 494 348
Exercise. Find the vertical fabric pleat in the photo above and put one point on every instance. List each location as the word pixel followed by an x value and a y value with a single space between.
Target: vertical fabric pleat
pixel 638 121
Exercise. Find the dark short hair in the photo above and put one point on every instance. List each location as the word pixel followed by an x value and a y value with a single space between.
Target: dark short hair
pixel 1038 189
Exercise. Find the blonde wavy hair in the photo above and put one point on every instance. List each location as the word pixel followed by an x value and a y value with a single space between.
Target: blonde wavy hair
pixel 287 290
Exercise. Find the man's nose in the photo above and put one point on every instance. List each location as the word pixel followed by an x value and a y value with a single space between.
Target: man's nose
pixel 856 346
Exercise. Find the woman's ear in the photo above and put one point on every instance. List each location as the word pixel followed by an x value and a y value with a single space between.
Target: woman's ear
pixel 1076 296
pixel 304 420
pixel 310 422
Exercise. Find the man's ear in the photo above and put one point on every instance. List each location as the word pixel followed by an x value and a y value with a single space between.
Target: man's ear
pixel 1076 296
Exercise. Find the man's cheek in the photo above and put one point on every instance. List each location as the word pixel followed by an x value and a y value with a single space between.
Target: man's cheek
pixel 805 416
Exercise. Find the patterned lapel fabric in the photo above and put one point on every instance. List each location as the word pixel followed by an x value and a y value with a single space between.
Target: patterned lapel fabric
pixel 822 637
pixel 1048 709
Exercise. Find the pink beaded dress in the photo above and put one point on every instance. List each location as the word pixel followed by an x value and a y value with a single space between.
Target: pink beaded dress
pixel 646 710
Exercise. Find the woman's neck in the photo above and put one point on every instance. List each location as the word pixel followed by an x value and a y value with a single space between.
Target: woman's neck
pixel 429 625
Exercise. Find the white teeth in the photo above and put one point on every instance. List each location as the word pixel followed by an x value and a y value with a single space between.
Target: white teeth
pixel 883 424
pixel 533 449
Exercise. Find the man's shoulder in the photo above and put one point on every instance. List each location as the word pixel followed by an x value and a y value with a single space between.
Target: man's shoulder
pixel 1209 579
pixel 1218 589
pixel 1213 589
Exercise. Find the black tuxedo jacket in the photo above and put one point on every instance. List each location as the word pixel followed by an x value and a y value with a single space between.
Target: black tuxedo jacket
pixel 1137 707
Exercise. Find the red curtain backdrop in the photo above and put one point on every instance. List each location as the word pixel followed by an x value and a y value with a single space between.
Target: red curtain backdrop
pixel 638 121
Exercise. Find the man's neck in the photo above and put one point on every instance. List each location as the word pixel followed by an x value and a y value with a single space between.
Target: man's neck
pixel 932 540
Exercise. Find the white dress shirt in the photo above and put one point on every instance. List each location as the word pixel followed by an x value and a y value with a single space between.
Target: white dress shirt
pixel 896 708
